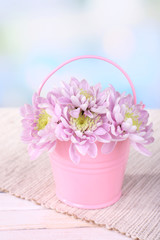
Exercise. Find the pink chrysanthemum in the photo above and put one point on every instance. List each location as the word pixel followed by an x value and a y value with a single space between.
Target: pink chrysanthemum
pixel 38 122
pixel 83 132
pixel 82 97
pixel 83 120
pixel 127 120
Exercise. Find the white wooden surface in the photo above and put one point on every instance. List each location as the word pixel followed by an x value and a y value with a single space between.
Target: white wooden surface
pixel 24 220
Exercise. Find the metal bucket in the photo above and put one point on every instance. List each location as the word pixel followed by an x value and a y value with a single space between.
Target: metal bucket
pixel 93 183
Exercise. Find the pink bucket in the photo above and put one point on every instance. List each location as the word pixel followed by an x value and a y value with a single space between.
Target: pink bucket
pixel 93 183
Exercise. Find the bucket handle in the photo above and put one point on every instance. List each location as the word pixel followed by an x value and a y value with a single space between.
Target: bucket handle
pixel 89 56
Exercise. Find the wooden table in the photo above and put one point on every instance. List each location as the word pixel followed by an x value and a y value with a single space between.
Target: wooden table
pixel 24 220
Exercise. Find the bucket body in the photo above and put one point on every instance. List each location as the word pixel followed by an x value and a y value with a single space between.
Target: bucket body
pixel 95 182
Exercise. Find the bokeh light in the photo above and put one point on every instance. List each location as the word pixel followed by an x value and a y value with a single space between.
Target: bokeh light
pixel 36 36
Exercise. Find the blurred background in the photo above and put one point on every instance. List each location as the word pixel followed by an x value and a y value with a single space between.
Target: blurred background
pixel 36 36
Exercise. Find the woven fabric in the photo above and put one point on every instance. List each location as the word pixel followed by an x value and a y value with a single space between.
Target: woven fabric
pixel 136 214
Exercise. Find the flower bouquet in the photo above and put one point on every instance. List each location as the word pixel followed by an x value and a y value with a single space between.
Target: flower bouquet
pixel 87 132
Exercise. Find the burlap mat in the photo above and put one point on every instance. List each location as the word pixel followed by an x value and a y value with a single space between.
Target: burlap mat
pixel 136 214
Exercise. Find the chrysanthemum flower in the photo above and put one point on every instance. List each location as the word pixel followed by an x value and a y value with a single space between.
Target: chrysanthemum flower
pixel 83 132
pixel 83 120
pixel 39 122
pixel 127 120
pixel 82 97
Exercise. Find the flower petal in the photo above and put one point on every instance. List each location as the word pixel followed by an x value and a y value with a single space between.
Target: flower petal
pixel 100 131
pixel 26 109
pixel 74 156
pixel 116 109
pixel 64 100
pixel 136 138
pixel 33 152
pixel 99 110
pixel 118 117
pixel 75 101
pixel 74 139
pixel 126 126
pixel 57 110
pixel 52 146
pixel 84 85
pixel 140 148
pixel 84 106
pixel 79 133
pixel 89 114
pixel 60 134
pixel 75 113
pixel 83 99
pixel 104 138
pixel 82 149
pixel 108 147
pixel 92 150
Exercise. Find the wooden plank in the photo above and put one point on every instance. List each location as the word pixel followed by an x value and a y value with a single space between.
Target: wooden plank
pixel 42 218
pixel 9 202
pixel 16 213
pixel 63 234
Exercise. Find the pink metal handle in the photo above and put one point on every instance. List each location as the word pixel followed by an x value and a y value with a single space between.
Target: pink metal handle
pixel 95 57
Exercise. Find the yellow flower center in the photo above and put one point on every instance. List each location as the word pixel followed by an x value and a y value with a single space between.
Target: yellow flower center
pixel 43 120
pixel 83 123
pixel 134 118
pixel 86 94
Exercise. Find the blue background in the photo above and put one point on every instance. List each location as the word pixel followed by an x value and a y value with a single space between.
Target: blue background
pixel 37 36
